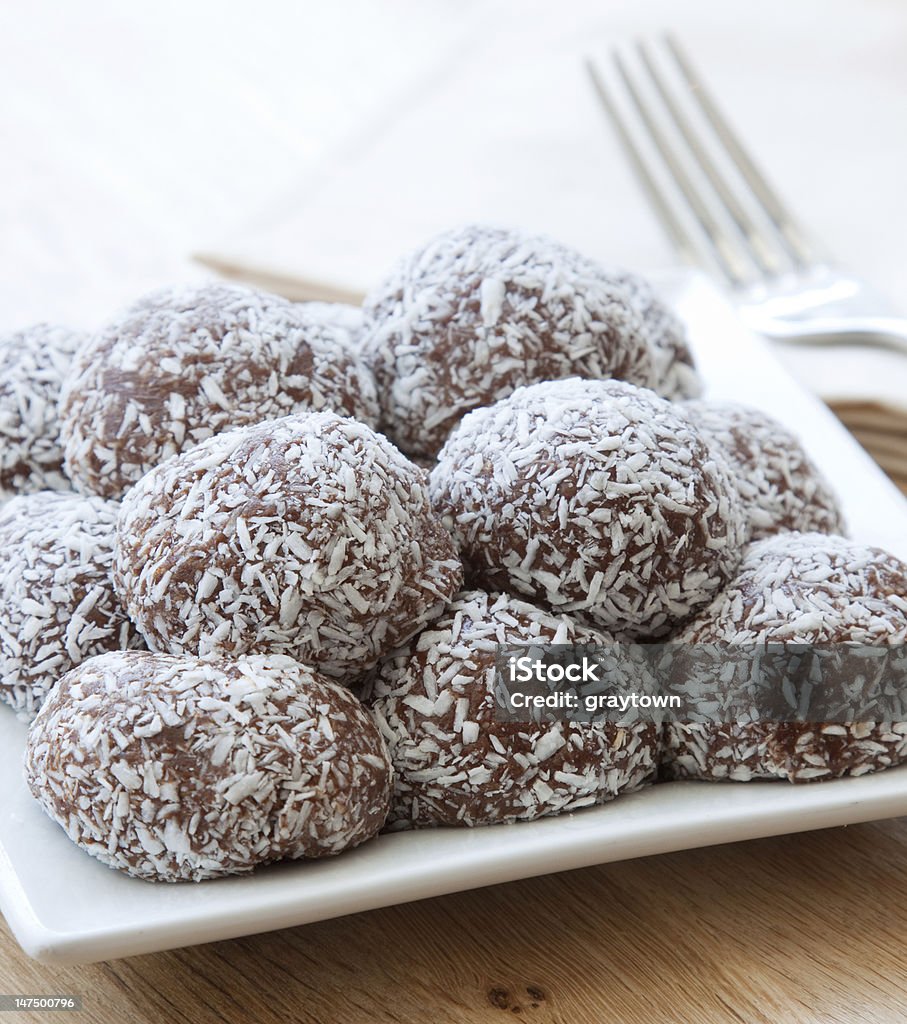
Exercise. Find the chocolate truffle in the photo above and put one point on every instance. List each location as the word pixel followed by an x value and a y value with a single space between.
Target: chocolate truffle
pixel 675 376
pixel 310 536
pixel 595 498
pixel 57 603
pixel 349 319
pixel 797 588
pixel 457 762
pixel 477 312
pixel 34 362
pixel 183 364
pixel 779 484
pixel 174 768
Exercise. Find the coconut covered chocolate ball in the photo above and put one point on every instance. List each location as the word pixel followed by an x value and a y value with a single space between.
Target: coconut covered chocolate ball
pixel 675 376
pixel 479 311
pixel 184 364
pixel 595 498
pixel 805 589
pixel 456 762
pixel 338 315
pixel 57 603
pixel 781 488
pixel 34 362
pixel 180 769
pixel 310 536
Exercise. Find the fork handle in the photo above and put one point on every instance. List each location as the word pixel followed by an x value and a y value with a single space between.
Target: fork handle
pixel 877 331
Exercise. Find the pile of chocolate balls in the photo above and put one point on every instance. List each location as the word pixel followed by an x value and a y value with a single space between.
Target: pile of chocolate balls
pixel 257 556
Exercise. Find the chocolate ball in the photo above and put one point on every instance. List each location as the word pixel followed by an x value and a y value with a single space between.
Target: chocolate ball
pixel 781 487
pixel 804 589
pixel 184 364
pixel 57 602
pixel 34 363
pixel 479 311
pixel 676 376
pixel 310 536
pixel 457 761
pixel 595 498
pixel 175 768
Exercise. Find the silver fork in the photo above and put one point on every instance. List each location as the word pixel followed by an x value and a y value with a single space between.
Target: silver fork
pixel 732 224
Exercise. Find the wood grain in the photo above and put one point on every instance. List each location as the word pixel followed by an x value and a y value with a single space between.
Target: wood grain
pixel 797 929
pixel 881 431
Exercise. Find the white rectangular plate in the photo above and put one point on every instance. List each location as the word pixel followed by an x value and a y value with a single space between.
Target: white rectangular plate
pixel 65 907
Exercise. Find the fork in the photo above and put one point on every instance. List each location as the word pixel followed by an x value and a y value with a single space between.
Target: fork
pixel 734 225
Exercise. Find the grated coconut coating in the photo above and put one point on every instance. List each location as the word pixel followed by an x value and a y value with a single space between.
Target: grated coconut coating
pixel 34 363
pixel 183 364
pixel 479 311
pixel 594 498
pixel 310 536
pixel 781 487
pixel 455 764
pixel 803 588
pixel 57 603
pixel 173 768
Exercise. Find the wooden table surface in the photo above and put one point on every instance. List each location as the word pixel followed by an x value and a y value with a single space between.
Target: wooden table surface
pixel 802 928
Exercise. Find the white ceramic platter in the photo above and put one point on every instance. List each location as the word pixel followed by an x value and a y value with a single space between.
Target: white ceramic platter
pixel 65 907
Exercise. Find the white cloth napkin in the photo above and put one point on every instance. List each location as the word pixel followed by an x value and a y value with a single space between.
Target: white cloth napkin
pixel 506 130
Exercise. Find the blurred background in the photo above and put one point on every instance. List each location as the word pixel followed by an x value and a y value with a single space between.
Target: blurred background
pixel 304 146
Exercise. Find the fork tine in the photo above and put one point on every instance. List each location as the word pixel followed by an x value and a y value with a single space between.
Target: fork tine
pixel 763 252
pixel 690 248
pixel 733 264
pixel 803 251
